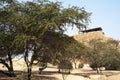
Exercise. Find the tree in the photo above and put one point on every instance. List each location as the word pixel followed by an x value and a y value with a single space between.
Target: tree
pixel 96 54
pixel 65 66
pixel 6 37
pixel 5 53
pixel 76 50
pixel 33 20
pixel 55 45
pixel 112 57
pixel 103 54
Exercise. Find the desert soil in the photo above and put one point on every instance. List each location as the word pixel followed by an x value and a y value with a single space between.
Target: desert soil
pixel 51 73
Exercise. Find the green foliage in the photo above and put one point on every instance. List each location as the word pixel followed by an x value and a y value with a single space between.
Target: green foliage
pixel 65 64
pixel 38 27
pixel 103 54
pixel 95 54
pixel 112 65
pixel 112 60
pixel 94 66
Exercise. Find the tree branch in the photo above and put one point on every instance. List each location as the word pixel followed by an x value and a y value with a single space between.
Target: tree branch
pixel 3 72
pixel 4 63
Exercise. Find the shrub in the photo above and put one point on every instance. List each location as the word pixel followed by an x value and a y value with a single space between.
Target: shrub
pixel 112 65
pixel 93 66
pixel 65 66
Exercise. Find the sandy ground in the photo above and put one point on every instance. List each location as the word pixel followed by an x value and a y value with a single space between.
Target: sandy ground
pixel 51 73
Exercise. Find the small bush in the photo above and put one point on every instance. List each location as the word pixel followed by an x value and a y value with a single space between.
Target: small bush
pixel 93 66
pixel 112 65
pixel 65 66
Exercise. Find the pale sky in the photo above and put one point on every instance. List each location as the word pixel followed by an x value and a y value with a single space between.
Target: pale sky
pixel 105 14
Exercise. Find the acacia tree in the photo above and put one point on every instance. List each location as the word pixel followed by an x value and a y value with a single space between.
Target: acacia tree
pixel 76 51
pixel 112 55
pixel 5 53
pixel 57 48
pixel 102 54
pixel 96 54
pixel 6 36
pixel 32 20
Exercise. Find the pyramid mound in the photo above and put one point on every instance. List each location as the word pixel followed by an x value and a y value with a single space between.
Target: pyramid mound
pixel 86 37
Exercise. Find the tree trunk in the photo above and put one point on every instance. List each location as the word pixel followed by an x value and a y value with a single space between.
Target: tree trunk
pixel 29 72
pixel 98 70
pixel 69 71
pixel 29 68
pixel 58 70
pixel 75 65
pixel 29 63
pixel 11 70
pixel 9 66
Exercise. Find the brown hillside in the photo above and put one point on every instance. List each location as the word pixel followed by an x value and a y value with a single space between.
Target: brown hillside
pixel 86 37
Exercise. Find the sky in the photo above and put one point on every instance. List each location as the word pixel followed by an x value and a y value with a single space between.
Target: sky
pixel 105 14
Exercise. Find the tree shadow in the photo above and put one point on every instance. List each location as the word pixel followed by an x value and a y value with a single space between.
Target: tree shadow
pixel 83 74
pixel 41 77
pixel 49 72
pixel 87 73
pixel 20 75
